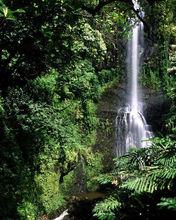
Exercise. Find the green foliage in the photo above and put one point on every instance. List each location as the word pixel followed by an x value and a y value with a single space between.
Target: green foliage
pixel 94 163
pixel 83 176
pixel 50 196
pixel 48 137
pixel 42 39
pixel 158 180
pixel 104 178
pixel 89 37
pixel 140 175
pixel 171 117
pixel 168 203
pixel 6 13
pixel 79 81
pixel 1 106
pixel 27 211
pixel 105 210
pixel 156 169
pixel 48 118
pixel 56 59
pixel 150 78
pixel 107 78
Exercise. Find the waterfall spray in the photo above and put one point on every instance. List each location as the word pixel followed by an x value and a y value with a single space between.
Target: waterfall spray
pixel 131 127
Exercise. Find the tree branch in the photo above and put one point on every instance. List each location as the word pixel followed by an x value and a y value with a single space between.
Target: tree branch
pixel 97 8
pixel 137 13
pixel 101 5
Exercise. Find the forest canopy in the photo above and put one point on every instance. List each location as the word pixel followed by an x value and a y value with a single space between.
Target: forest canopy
pixel 57 59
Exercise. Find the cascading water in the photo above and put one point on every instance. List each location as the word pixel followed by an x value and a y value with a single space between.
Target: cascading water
pixel 131 127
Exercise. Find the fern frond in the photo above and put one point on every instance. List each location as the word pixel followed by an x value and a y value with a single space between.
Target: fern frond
pixel 165 161
pixel 105 209
pixel 168 203
pixel 167 173
pixel 142 184
pixel 105 178
pixel 156 180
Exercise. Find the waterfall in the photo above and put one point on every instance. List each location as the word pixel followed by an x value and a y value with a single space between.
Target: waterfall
pixel 62 216
pixel 131 127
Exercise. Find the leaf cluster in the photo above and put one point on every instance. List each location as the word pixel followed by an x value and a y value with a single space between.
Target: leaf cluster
pixel 141 175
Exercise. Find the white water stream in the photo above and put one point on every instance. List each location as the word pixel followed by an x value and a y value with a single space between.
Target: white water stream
pixel 62 216
pixel 131 127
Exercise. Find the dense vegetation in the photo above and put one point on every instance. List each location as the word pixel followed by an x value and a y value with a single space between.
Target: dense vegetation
pixel 57 57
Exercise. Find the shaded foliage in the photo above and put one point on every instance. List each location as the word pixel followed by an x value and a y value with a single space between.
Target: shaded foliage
pixel 56 59
pixel 139 176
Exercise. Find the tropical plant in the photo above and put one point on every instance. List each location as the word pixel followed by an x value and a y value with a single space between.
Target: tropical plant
pixel 139 176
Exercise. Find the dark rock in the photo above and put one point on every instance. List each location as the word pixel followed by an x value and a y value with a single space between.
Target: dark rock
pixel 81 206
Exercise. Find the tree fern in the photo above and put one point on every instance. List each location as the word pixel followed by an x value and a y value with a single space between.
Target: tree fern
pixel 105 210
pixel 170 161
pixel 142 184
pixel 150 182
pixel 149 170
pixel 140 175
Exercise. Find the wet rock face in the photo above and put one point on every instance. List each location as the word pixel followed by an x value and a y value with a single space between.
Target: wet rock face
pixel 108 106
pixel 155 107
